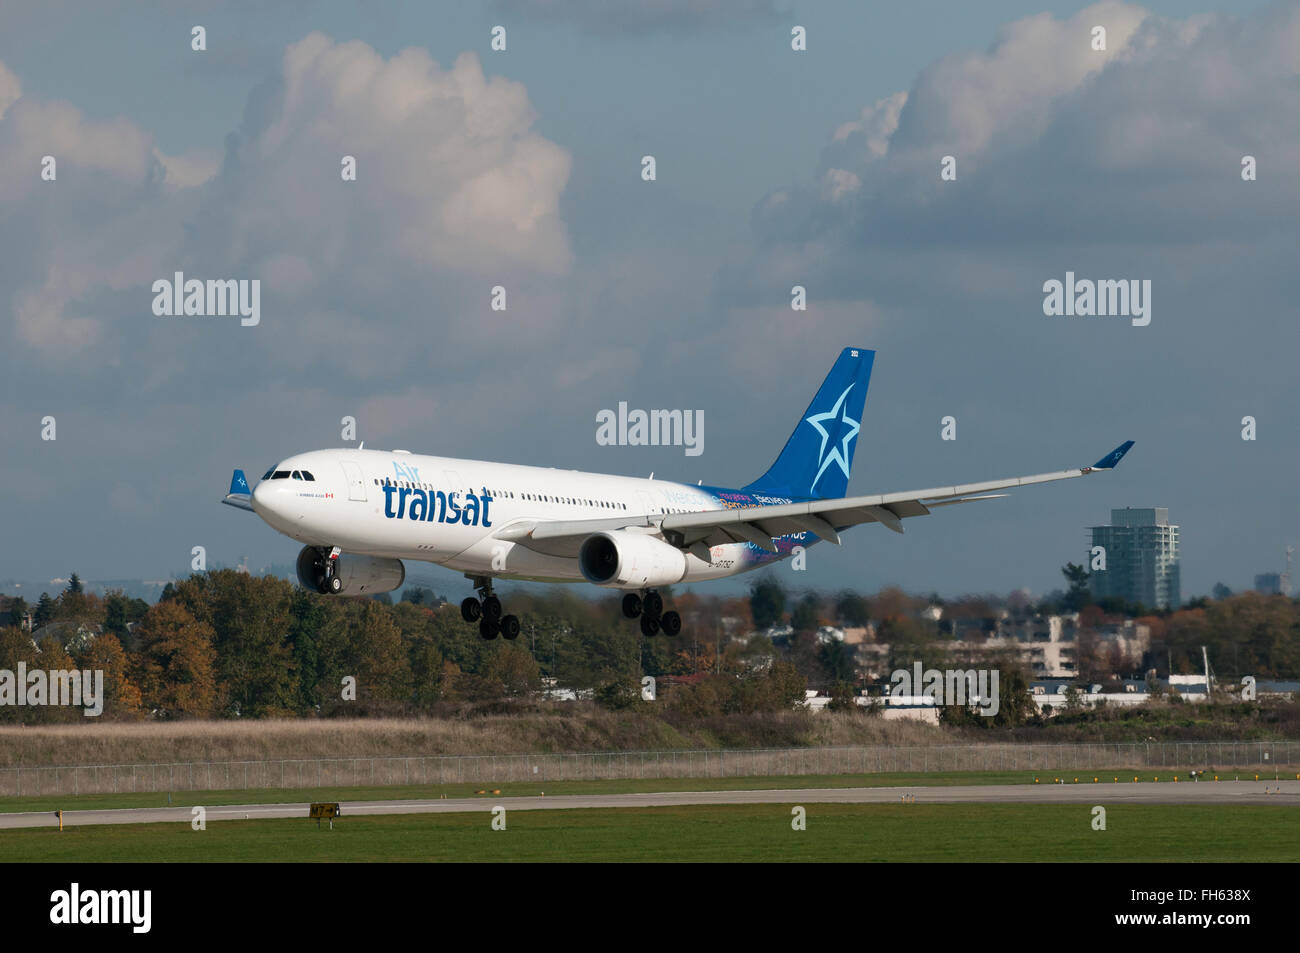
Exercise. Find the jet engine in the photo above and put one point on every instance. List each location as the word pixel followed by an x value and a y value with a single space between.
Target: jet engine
pixel 630 560
pixel 360 575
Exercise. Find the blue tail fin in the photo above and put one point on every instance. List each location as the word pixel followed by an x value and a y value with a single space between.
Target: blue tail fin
pixel 819 454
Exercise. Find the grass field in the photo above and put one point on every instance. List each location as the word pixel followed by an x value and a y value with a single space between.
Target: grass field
pixel 401 792
pixel 835 832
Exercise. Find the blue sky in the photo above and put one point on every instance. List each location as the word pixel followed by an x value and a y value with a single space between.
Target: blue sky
pixel 774 168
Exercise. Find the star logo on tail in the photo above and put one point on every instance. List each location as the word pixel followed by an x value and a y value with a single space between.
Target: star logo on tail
pixel 838 454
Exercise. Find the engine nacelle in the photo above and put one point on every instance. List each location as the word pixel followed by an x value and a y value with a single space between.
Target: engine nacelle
pixel 360 575
pixel 630 560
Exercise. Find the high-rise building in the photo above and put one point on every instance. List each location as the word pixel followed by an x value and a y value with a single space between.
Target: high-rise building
pixel 1141 558
pixel 1273 583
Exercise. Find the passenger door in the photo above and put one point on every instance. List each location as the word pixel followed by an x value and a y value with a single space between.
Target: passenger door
pixel 356 481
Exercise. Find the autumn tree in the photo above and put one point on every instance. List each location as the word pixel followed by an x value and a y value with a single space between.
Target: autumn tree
pixel 55 658
pixel 1079 593
pixel 16 646
pixel 176 663
pixel 807 613
pixel 767 602
pixel 514 667
pixel 120 610
pixel 852 609
pixel 250 619
pixel 17 610
pixel 909 641
pixel 308 616
pixel 382 669
pixel 122 697
pixel 45 611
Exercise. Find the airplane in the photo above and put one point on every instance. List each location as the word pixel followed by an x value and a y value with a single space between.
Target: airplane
pixel 360 513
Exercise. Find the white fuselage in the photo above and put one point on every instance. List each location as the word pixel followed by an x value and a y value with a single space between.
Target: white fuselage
pixel 448 511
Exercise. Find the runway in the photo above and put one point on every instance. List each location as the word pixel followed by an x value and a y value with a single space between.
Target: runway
pixel 1188 792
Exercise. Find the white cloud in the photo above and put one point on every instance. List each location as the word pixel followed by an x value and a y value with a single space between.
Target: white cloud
pixel 10 89
pixel 450 174
pixel 600 16
pixel 189 169
pixel 455 192
pixel 1053 140
pixel 40 313
pixel 84 148
pixel 962 102
pixel 80 236
pixel 870 133
pixel 837 183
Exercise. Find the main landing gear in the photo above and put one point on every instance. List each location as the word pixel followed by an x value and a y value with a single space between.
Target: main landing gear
pixel 486 611
pixel 650 609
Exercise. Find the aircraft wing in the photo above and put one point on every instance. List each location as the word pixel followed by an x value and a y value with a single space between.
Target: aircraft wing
pixel 696 532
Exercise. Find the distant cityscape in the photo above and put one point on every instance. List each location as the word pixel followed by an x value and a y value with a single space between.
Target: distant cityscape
pixel 1135 558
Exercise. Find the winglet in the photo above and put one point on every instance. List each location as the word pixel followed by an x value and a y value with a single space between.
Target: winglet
pixel 1110 460
pixel 239 483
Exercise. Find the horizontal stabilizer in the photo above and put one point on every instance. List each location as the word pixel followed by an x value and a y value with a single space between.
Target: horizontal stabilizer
pixel 240 496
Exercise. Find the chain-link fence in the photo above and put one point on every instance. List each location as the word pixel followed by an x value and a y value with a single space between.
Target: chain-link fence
pixel 1274 756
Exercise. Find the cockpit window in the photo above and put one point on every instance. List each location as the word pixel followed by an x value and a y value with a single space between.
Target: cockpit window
pixel 280 475
pixel 297 474
pixel 307 476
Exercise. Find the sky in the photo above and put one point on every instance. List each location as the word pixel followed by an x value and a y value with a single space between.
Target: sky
pixel 774 167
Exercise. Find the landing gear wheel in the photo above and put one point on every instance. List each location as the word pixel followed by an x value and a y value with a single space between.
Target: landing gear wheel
pixel 649 626
pixel 653 604
pixel 631 605
pixel 323 584
pixel 488 628
pixel 509 627
pixel 671 623
pixel 470 610
pixel 492 608
pixel 335 584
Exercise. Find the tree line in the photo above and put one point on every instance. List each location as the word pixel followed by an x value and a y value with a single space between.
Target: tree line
pixel 227 644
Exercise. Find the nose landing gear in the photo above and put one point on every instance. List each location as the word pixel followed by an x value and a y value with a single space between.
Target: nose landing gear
pixel 324 570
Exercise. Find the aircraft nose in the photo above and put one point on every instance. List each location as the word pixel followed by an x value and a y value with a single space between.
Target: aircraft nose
pixel 262 498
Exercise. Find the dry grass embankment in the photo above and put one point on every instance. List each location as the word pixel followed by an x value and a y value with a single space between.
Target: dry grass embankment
pixel 571 730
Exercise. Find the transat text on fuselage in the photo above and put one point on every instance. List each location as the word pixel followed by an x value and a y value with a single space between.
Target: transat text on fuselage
pixel 434 506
